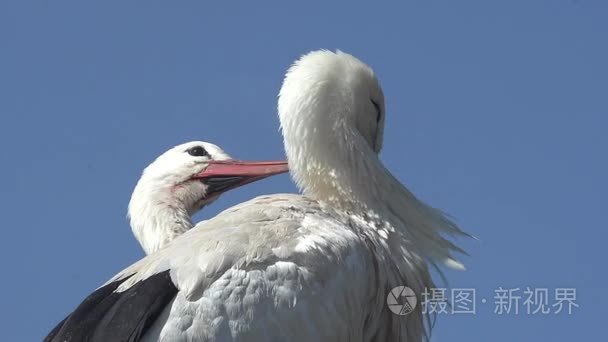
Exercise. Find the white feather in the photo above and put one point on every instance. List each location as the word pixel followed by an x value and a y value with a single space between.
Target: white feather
pixel 316 267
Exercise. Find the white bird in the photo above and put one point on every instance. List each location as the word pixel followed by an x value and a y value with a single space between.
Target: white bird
pixel 167 195
pixel 312 267
pixel 180 182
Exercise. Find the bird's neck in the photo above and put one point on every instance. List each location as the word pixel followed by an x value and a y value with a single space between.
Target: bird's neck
pixel 347 175
pixel 156 219
pixel 335 166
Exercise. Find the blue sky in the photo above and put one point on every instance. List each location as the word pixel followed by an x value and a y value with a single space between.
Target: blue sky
pixel 496 113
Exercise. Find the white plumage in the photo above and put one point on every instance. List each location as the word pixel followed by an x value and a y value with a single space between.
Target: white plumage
pixel 312 267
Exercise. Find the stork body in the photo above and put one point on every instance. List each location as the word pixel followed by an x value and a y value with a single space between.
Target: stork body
pixel 294 270
pixel 176 185
pixel 312 267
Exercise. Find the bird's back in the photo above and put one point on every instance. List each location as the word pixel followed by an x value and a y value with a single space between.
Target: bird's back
pixel 275 268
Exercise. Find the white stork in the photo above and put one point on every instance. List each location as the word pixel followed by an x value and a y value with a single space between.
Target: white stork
pixel 312 267
pixel 179 183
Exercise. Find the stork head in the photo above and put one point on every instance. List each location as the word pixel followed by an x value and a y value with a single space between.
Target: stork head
pixel 331 109
pixel 182 181
pixel 333 90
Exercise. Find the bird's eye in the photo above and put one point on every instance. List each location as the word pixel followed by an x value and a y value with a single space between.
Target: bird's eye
pixel 197 151
pixel 378 111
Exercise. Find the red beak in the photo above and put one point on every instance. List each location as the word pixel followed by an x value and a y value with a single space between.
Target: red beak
pixel 221 176
pixel 230 168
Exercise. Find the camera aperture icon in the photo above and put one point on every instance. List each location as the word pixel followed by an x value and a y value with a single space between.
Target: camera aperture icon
pixel 401 300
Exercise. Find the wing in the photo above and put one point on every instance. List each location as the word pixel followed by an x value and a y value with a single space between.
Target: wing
pixel 273 268
pixel 108 315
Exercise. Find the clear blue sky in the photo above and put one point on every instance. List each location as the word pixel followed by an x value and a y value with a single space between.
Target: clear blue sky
pixel 496 113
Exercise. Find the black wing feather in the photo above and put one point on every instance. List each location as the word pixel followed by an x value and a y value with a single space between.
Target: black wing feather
pixel 91 304
pixel 117 316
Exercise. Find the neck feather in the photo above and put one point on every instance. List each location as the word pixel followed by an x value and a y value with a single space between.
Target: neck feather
pixel 346 174
pixel 156 221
